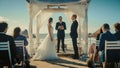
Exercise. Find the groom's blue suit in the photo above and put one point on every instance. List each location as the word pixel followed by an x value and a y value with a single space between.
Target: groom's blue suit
pixel 74 36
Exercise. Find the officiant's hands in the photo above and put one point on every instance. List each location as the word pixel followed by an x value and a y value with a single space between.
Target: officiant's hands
pixel 61 27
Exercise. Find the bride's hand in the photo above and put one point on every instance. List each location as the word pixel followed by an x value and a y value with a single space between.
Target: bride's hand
pixel 51 39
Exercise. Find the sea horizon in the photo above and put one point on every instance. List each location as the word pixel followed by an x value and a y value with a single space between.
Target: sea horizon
pixel 68 39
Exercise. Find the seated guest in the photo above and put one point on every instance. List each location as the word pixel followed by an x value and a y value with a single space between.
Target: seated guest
pixel 117 30
pixel 17 36
pixel 117 35
pixel 108 36
pixel 93 49
pixel 4 57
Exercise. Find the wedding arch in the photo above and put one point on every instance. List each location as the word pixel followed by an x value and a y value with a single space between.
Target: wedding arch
pixel 41 10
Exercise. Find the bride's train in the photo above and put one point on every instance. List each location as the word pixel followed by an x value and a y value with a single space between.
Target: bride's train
pixel 46 51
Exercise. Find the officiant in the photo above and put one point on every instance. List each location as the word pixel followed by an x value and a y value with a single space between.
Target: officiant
pixel 60 27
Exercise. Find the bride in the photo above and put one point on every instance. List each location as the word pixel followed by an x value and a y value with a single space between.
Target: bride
pixel 46 51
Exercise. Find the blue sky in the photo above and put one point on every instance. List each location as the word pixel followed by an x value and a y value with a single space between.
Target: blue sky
pixel 103 11
pixel 100 11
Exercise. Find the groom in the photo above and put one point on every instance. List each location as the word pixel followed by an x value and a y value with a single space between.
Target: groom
pixel 60 27
pixel 74 35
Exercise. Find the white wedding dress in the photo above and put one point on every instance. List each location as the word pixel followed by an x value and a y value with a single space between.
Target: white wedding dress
pixel 46 51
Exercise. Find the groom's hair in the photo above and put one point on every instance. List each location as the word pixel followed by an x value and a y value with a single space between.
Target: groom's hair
pixel 74 15
pixel 60 16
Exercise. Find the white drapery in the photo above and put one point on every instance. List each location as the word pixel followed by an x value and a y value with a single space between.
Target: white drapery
pixel 41 12
pixel 40 18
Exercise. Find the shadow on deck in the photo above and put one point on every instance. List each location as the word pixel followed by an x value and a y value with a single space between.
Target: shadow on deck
pixel 31 66
pixel 69 63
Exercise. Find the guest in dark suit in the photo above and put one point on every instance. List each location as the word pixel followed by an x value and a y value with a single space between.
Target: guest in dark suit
pixel 108 36
pixel 4 58
pixel 60 27
pixel 17 36
pixel 74 35
pixel 117 31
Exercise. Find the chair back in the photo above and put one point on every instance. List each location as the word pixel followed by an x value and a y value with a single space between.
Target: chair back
pixel 4 46
pixel 97 42
pixel 112 51
pixel 20 43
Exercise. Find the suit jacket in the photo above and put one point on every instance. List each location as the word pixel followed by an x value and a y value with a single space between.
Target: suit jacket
pixel 22 38
pixel 73 31
pixel 105 36
pixel 5 38
pixel 60 33
pixel 19 49
pixel 108 37
pixel 117 35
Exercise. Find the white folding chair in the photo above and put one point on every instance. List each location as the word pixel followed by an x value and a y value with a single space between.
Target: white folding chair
pixel 4 46
pixel 20 43
pixel 111 45
pixel 97 42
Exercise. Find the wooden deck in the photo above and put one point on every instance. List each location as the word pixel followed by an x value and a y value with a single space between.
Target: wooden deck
pixel 62 62
pixel 65 61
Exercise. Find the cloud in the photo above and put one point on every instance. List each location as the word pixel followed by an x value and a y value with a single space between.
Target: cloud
pixel 8 20
pixel 12 24
pixel 3 19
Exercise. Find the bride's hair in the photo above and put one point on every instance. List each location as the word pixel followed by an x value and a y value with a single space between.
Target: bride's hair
pixel 50 19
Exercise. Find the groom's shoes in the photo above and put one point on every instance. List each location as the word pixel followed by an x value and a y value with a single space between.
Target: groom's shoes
pixel 64 51
pixel 57 51
pixel 75 57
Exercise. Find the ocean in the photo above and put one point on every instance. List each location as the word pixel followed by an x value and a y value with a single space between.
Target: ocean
pixel 68 40
pixel 42 36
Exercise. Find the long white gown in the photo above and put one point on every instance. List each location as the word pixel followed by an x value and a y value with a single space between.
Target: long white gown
pixel 46 51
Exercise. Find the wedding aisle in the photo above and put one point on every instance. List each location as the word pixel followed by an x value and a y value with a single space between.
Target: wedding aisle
pixel 62 62
pixel 65 61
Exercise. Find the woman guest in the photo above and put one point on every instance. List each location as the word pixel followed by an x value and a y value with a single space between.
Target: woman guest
pixel 117 30
pixel 92 48
pixel 117 35
pixel 17 36
pixel 98 33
